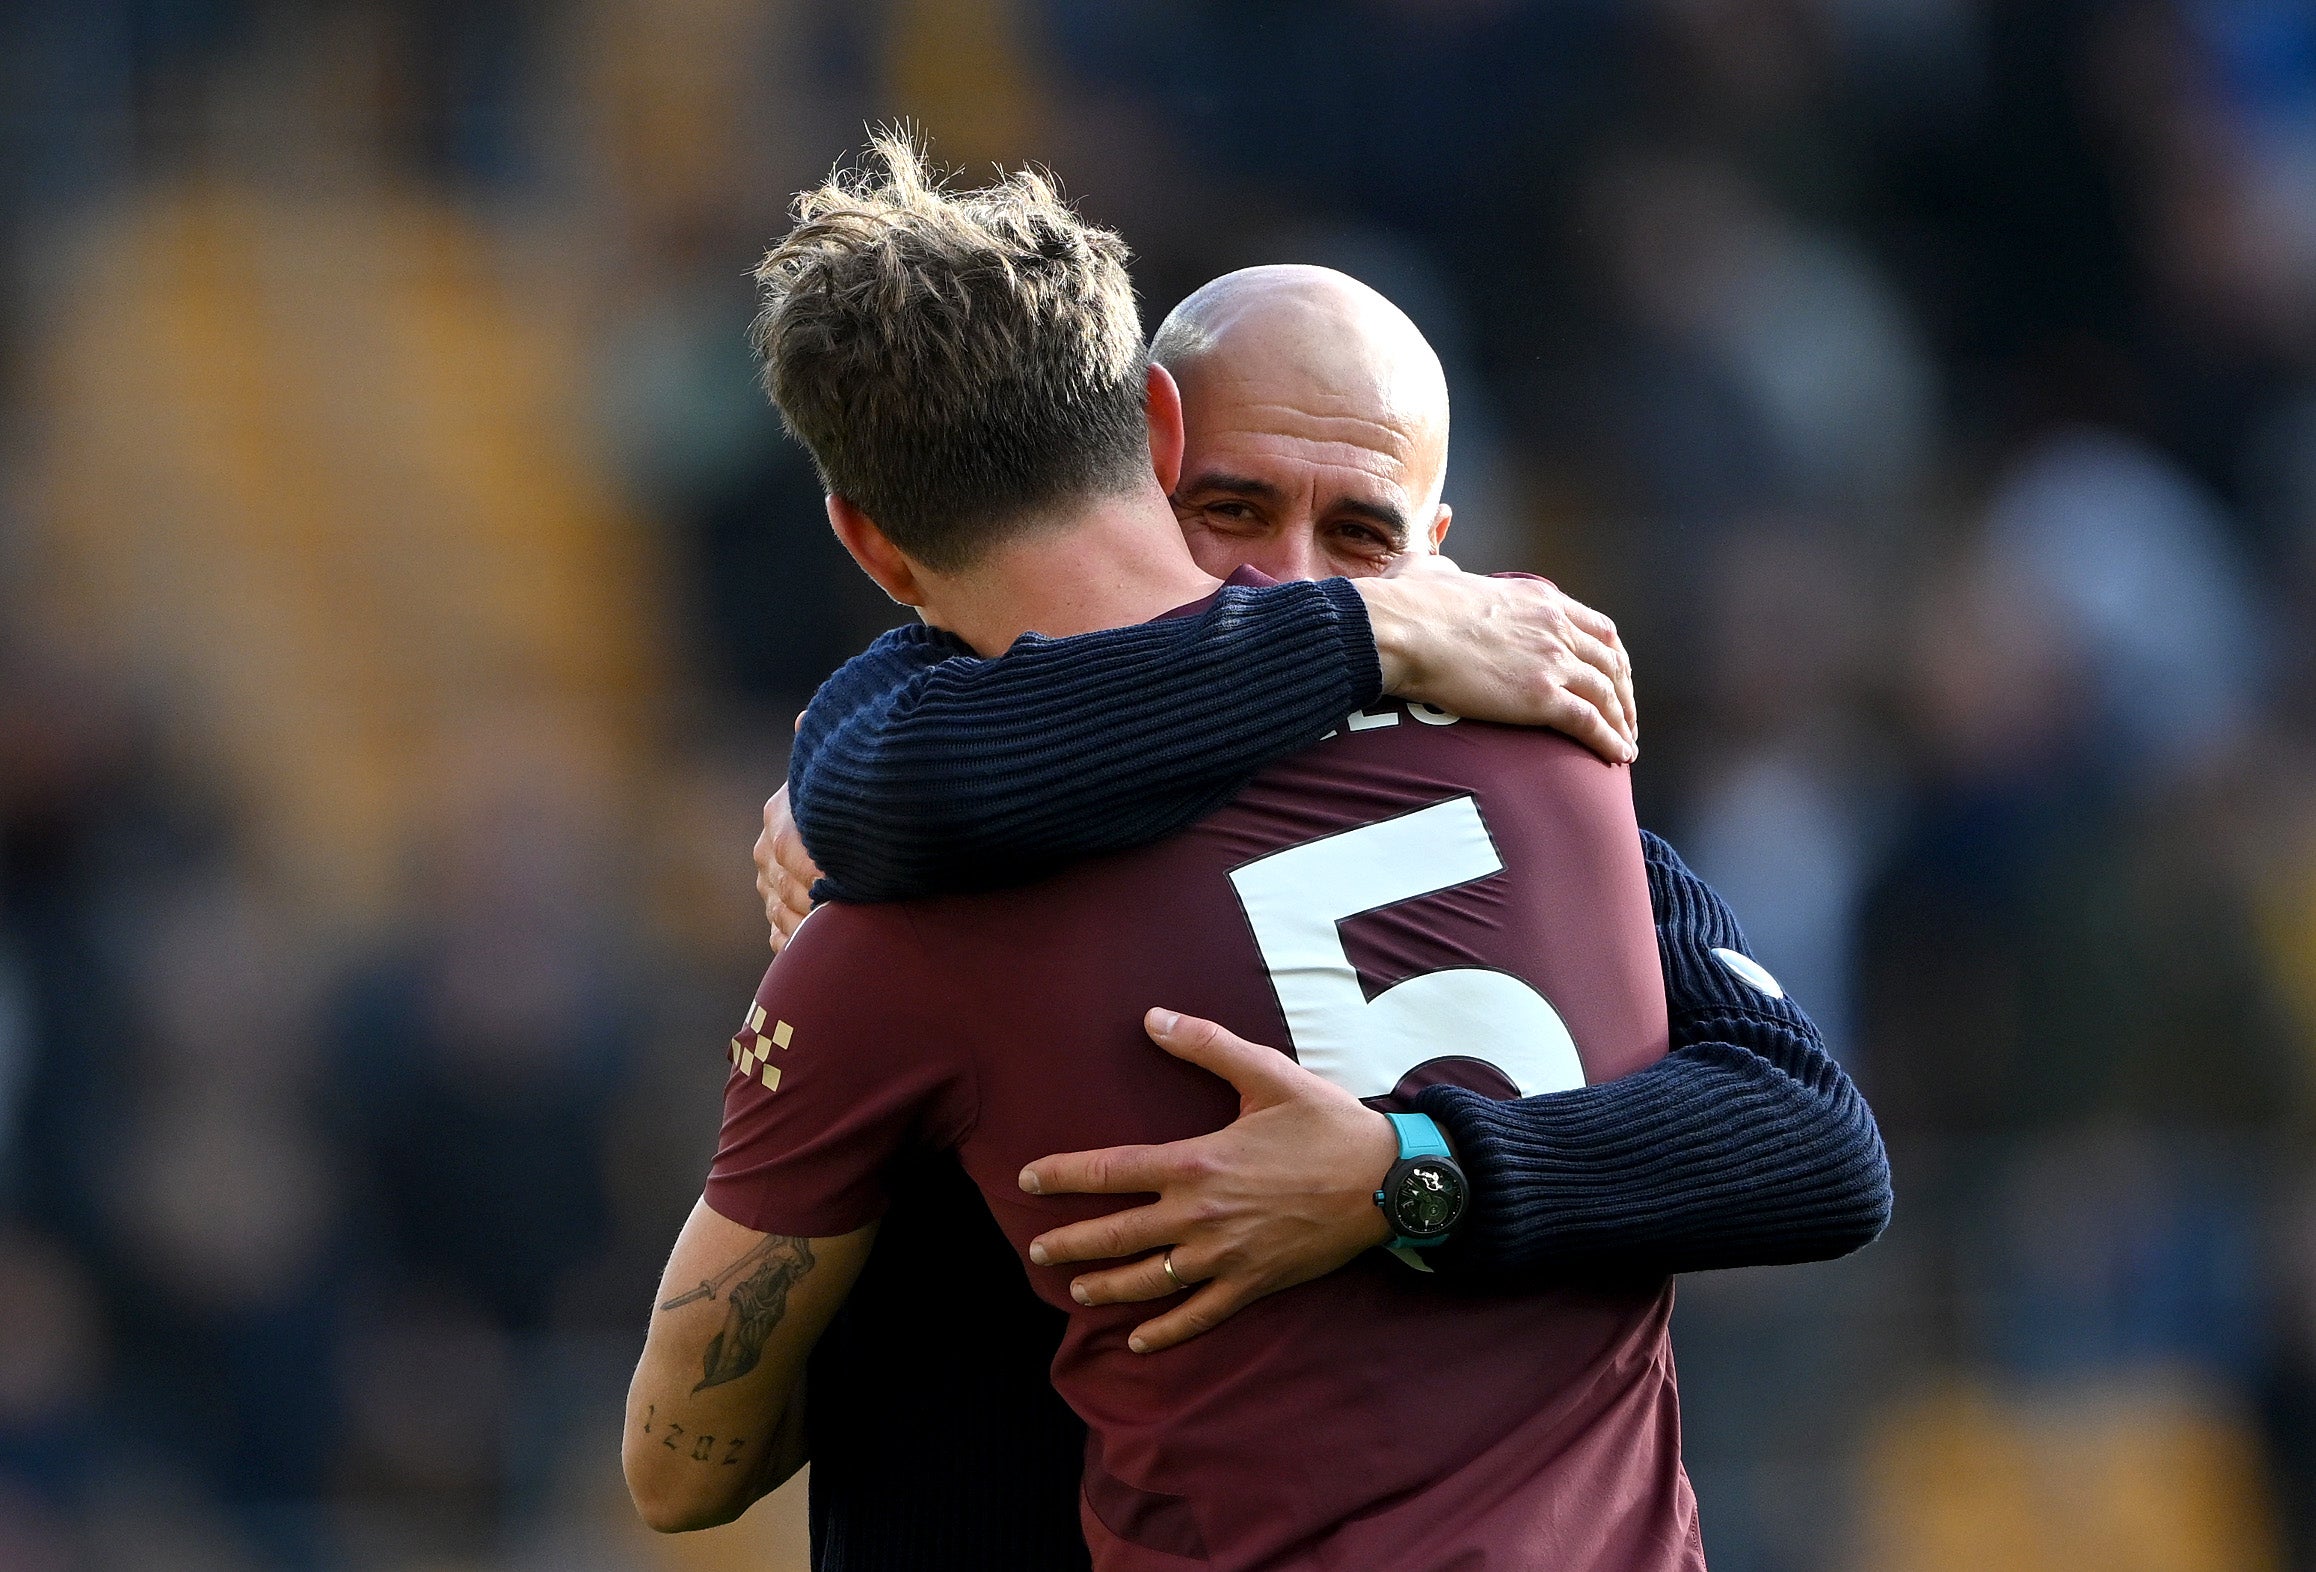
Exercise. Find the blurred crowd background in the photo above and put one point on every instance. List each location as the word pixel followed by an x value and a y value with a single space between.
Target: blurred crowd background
pixel 405 594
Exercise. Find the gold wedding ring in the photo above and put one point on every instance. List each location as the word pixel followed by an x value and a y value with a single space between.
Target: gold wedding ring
pixel 1172 1276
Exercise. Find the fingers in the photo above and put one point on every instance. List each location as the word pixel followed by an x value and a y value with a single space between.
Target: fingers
pixel 1145 1279
pixel 1110 1238
pixel 1594 681
pixel 1603 629
pixel 765 857
pixel 784 871
pixel 1572 715
pixel 1597 656
pixel 1595 623
pixel 1571 647
pixel 1203 1311
pixel 785 921
pixel 1207 1308
pixel 792 893
pixel 788 848
pixel 768 878
pixel 1256 1071
pixel 1618 665
pixel 1584 707
pixel 1114 1170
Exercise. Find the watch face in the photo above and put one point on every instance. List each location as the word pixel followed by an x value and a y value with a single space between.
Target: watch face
pixel 1428 1200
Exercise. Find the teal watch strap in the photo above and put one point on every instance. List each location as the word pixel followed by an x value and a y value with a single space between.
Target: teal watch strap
pixel 1419 1136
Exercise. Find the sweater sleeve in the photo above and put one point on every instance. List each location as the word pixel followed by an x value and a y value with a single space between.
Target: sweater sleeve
pixel 1746 1145
pixel 922 768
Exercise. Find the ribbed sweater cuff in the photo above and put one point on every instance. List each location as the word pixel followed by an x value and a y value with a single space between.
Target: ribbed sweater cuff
pixel 1704 1162
pixel 1361 661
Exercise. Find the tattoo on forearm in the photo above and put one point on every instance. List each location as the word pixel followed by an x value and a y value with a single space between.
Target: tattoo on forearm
pixel 699 1448
pixel 755 1290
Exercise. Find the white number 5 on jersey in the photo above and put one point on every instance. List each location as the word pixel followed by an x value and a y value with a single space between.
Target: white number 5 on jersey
pixel 1295 898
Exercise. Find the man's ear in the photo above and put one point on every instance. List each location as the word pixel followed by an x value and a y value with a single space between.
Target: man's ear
pixel 1439 527
pixel 1163 406
pixel 878 557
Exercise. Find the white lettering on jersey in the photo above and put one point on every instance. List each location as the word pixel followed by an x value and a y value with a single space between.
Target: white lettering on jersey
pixel 1294 901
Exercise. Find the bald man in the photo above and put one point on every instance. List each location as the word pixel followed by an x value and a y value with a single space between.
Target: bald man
pixel 1317 422
pixel 1315 442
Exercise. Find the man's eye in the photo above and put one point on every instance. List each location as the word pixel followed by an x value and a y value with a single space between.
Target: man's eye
pixel 1231 512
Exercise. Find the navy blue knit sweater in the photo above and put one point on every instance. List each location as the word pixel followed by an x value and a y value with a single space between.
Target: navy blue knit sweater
pixel 923 768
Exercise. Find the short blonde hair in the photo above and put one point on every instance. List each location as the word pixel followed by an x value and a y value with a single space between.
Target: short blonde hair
pixel 955 362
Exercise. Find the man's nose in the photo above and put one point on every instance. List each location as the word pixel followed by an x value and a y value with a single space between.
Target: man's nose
pixel 1295 554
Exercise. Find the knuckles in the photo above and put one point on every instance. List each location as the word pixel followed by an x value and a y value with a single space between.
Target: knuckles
pixel 1195 1167
pixel 1206 1210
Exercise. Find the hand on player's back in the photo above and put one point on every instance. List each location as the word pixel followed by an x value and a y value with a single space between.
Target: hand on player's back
pixel 1284 1194
pixel 784 871
pixel 1515 650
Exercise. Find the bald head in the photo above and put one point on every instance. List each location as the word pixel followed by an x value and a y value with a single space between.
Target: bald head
pixel 1316 424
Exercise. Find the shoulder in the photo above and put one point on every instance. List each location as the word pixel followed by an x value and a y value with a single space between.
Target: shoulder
pixel 1524 759
pixel 1411 726
pixel 838 1066
pixel 856 1015
pixel 851 967
pixel 1395 753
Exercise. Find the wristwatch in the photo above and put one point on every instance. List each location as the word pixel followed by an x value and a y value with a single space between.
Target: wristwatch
pixel 1423 1196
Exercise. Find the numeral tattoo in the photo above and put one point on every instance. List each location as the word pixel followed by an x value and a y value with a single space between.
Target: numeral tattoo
pixel 755 1290
pixel 703 1447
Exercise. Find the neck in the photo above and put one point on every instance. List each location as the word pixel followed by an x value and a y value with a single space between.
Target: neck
pixel 1106 563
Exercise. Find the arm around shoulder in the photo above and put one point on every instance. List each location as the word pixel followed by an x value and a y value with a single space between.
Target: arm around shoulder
pixel 922 767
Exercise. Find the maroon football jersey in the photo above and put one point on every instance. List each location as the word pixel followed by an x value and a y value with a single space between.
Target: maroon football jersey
pixel 1417 898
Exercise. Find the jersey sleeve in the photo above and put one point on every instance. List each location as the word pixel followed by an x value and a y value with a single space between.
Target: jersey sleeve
pixel 1746 1145
pixel 922 769
pixel 837 1073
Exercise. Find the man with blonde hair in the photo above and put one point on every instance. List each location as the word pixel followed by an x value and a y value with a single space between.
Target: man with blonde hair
pixel 966 370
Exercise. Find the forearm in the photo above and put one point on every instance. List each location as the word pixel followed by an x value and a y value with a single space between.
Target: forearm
pixel 1714 1157
pixel 695 1462
pixel 1748 1145
pixel 715 1409
pixel 964 772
